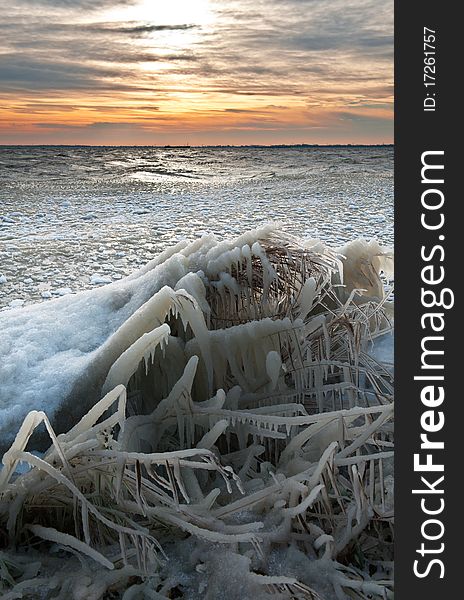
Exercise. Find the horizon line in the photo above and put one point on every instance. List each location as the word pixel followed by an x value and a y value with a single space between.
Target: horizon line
pixel 184 146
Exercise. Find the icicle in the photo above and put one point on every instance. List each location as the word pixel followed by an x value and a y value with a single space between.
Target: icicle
pixel 305 504
pixel 193 284
pixel 306 298
pixel 269 273
pixel 127 363
pixel 198 325
pixel 273 366
pixel 246 253
pixel 52 535
pixel 210 438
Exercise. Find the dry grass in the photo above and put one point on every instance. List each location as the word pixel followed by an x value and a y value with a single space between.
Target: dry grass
pixel 295 457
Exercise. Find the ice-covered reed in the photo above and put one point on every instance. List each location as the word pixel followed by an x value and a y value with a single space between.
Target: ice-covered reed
pixel 243 447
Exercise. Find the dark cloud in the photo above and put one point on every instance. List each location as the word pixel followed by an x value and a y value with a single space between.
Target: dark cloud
pixel 44 74
pixel 88 127
pixel 108 28
pixel 77 4
pixel 361 118
pixel 240 111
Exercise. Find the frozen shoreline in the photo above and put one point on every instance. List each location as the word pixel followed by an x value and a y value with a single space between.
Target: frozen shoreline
pixel 226 404
pixel 60 352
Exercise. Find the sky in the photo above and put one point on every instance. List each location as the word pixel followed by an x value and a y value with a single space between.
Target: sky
pixel 176 72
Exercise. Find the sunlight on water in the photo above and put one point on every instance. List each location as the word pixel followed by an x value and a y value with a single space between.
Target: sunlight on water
pixel 75 217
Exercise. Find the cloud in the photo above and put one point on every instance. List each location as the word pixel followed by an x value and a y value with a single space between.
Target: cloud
pixel 109 28
pixel 241 111
pixel 94 5
pixel 305 56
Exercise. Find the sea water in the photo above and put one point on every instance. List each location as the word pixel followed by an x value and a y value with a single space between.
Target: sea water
pixel 75 217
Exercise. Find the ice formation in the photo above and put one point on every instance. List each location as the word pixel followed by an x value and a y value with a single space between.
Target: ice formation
pixel 221 406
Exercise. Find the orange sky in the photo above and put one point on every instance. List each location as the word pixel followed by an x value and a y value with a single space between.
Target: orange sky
pixel 196 72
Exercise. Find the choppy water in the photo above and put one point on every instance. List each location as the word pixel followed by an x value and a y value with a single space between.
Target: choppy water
pixel 75 217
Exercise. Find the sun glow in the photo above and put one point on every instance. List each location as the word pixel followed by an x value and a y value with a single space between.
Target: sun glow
pixel 170 26
pixel 160 12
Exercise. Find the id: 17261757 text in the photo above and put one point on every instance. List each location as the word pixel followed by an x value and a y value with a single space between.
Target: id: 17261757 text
pixel 430 100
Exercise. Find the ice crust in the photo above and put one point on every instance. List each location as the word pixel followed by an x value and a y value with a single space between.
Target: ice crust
pixel 56 356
